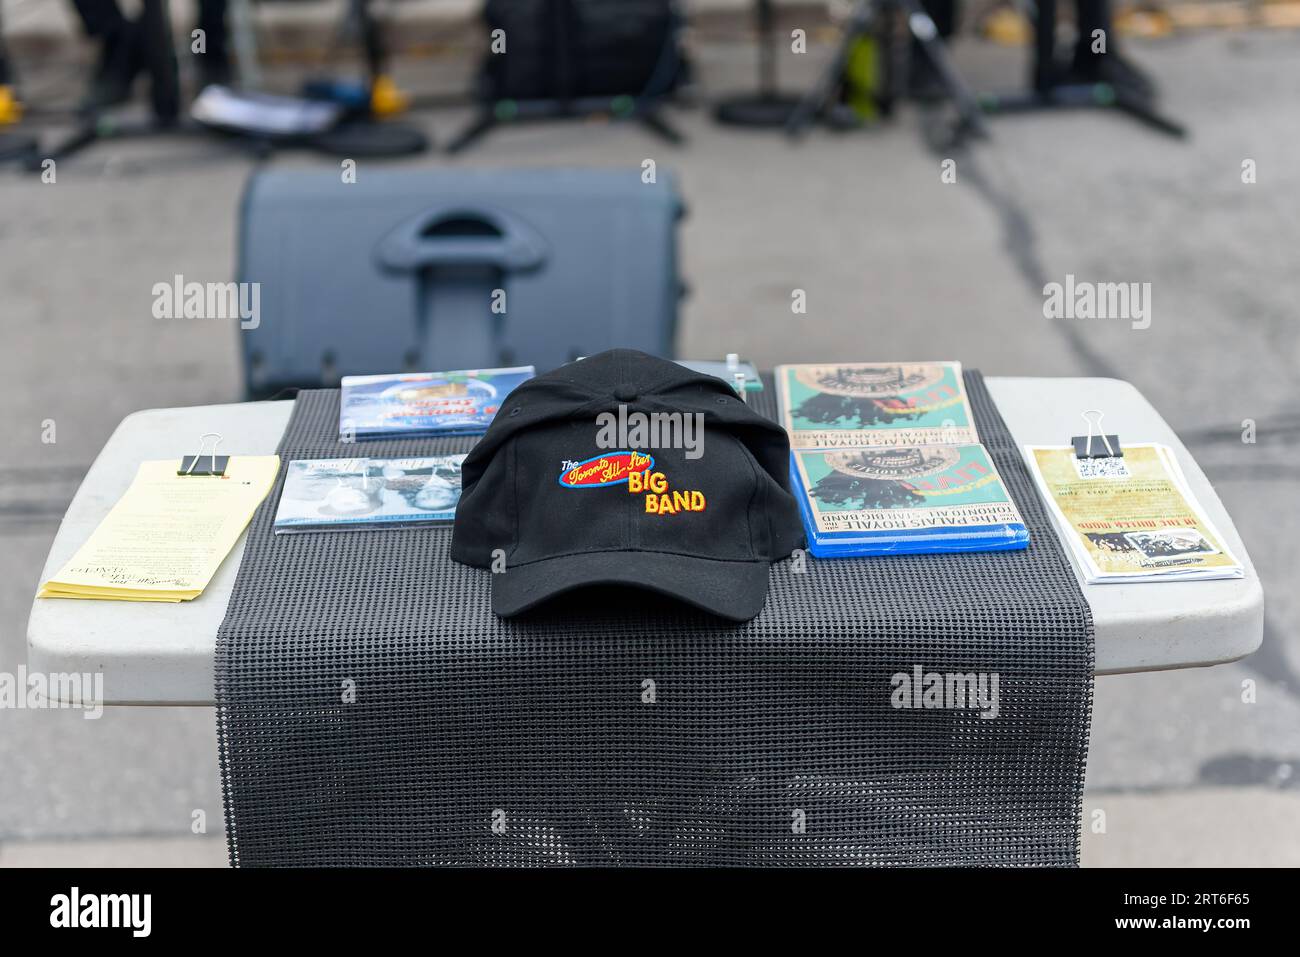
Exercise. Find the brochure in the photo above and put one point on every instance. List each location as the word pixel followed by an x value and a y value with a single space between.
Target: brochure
pixel 904 500
pixel 426 403
pixel 847 405
pixel 349 494
pixel 1130 518
pixel 168 534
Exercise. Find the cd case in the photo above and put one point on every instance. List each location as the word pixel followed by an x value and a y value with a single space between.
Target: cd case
pixel 904 501
pixel 426 403
pixel 855 404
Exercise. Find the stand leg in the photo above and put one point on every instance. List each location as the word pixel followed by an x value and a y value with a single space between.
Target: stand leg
pixel 766 49
pixel 1044 68
pixel 920 25
pixel 477 128
pixel 767 107
pixel 372 40
pixel 923 29
pixel 818 98
pixel 6 73
pixel 74 143
pixel 654 121
pixel 1086 95
pixel 1144 110
pixel 160 57
pixel 245 37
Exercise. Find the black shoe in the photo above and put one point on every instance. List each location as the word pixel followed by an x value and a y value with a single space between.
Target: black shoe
pixel 1113 69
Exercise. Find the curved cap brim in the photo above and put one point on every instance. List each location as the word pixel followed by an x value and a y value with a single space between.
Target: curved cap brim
pixel 731 589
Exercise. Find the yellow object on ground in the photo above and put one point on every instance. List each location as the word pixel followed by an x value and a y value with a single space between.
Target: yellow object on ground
pixel 1008 27
pixel 385 97
pixel 11 111
pixel 1285 15
pixel 1147 22
pixel 168 534
pixel 862 78
pixel 1209 14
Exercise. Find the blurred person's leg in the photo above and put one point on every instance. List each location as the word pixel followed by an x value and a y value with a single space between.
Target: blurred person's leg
pixel 214 62
pixel 101 18
pixel 1096 51
pixel 119 56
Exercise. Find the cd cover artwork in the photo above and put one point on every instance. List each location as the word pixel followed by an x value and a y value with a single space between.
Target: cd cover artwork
pixel 874 501
pixel 861 404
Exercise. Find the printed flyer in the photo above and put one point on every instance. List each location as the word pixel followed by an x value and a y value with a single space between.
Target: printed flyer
pixel 1130 518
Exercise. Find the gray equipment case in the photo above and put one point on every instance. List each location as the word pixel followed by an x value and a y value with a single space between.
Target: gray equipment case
pixel 453 269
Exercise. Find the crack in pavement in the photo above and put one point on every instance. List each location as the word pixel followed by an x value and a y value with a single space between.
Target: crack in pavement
pixel 1020 242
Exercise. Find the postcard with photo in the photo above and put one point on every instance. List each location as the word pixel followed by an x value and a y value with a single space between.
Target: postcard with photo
pixel 1170 543
pixel 358 493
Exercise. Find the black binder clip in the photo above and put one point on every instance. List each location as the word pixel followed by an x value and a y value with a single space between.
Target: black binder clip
pixel 1107 446
pixel 200 464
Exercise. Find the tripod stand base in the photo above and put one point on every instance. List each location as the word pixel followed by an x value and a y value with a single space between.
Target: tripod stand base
pixel 763 111
pixel 1084 96
pixel 866 19
pixel 505 112
pixel 370 139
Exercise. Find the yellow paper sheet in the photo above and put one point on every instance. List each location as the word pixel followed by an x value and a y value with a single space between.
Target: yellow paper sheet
pixel 1130 518
pixel 166 537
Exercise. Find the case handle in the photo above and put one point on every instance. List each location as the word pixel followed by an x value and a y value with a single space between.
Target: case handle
pixel 462 236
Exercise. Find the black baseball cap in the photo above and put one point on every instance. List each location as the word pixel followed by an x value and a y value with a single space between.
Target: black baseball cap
pixel 626 469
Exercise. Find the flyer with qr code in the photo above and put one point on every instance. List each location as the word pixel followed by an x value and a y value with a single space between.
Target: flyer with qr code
pixel 854 404
pixel 1130 518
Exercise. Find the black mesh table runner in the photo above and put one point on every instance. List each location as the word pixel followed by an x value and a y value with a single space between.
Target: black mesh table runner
pixel 372 711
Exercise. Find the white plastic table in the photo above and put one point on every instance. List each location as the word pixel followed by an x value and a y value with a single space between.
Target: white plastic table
pixel 163 654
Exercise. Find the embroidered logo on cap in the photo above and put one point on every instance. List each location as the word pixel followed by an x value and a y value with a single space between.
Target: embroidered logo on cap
pixel 659 499
pixel 613 468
